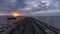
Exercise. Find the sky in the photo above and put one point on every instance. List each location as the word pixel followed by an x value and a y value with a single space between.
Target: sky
pixel 30 7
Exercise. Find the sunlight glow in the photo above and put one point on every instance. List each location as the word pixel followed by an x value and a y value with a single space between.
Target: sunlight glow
pixel 15 14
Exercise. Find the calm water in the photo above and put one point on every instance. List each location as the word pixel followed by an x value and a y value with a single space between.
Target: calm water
pixel 4 22
pixel 51 20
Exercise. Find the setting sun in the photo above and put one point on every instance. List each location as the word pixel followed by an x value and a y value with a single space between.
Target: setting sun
pixel 15 14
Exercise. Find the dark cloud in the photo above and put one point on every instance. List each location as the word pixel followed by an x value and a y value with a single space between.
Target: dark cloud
pixel 28 6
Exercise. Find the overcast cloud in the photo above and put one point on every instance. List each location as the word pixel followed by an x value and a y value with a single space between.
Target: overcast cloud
pixel 31 7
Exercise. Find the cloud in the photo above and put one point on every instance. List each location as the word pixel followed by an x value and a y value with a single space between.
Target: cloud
pixel 38 5
pixel 29 6
pixel 47 12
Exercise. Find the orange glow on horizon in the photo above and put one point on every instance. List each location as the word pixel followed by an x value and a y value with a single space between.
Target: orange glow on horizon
pixel 3 14
pixel 15 14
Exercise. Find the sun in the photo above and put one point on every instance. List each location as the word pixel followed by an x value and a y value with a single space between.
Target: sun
pixel 15 14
